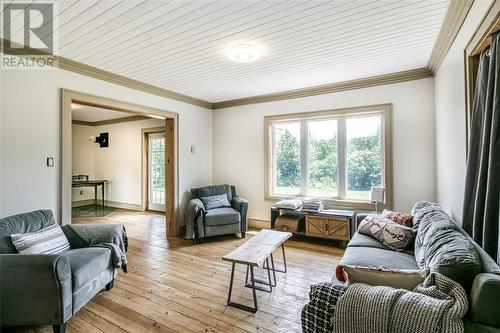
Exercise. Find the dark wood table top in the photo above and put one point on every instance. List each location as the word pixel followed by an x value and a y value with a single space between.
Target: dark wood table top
pixel 97 182
pixel 324 212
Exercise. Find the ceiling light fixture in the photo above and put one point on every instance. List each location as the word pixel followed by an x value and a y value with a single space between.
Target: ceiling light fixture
pixel 244 52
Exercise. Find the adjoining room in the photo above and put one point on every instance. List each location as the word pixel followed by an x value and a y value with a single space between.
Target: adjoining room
pixel 120 156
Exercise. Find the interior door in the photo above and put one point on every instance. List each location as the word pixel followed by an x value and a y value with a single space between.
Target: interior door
pixel 156 171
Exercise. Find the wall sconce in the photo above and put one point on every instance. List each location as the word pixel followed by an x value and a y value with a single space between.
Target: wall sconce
pixel 102 140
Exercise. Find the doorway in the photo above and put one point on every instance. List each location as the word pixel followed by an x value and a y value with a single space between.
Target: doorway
pixel 155 182
pixel 169 149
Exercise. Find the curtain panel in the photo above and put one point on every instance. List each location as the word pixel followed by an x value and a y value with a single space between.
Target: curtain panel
pixel 481 218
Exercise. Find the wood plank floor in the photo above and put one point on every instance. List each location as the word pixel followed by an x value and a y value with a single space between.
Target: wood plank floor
pixel 174 286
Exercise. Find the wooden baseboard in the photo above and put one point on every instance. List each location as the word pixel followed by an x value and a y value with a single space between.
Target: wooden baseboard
pixel 113 204
pixel 259 224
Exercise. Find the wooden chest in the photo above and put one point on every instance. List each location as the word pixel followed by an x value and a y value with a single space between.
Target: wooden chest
pixel 328 227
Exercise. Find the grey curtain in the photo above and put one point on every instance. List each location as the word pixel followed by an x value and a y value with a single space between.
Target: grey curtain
pixel 482 185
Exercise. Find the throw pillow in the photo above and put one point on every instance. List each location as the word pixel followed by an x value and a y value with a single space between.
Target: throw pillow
pixel 288 204
pixel 215 201
pixel 49 240
pixel 400 218
pixel 395 278
pixel 395 236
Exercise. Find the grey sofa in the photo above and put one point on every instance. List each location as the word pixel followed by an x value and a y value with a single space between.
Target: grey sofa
pixel 47 289
pixel 443 246
pixel 201 222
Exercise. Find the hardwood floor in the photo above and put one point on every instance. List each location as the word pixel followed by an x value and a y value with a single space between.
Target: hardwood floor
pixel 174 286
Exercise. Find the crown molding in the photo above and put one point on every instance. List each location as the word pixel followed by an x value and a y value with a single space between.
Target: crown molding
pixel 79 68
pixel 488 26
pixel 453 21
pixel 109 121
pixel 413 74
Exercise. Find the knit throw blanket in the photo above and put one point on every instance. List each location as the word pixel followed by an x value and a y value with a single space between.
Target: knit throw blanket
pixel 437 305
pixel 111 236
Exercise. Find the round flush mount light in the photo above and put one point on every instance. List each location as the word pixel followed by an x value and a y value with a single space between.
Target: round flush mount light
pixel 244 52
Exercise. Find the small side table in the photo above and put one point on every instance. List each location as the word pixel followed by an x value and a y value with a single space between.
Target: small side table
pixel 94 184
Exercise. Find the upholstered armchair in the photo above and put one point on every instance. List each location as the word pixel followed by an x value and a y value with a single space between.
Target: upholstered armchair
pixel 48 289
pixel 203 221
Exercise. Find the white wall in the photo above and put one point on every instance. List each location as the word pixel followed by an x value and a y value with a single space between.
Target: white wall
pixel 31 131
pixel 83 159
pixel 120 163
pixel 239 147
pixel 449 94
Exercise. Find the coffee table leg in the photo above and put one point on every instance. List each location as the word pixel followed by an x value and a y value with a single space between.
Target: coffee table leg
pixel 253 289
pixel 231 284
pixel 284 261
pixel 284 257
pixel 254 295
pixel 269 275
pixel 274 270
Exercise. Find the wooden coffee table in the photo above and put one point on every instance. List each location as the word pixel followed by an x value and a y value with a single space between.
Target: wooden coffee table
pixel 256 252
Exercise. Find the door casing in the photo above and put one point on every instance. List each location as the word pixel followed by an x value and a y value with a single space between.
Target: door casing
pixel 171 152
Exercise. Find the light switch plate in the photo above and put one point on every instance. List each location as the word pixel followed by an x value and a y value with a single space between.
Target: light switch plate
pixel 193 149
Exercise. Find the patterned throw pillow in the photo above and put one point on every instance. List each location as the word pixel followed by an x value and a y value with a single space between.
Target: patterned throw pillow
pixel 215 201
pixel 400 218
pixel 395 278
pixel 49 240
pixel 395 236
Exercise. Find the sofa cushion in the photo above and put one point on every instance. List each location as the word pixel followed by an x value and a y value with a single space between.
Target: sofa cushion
pixel 430 220
pixel 452 255
pixel 393 235
pixel 395 278
pixel 422 208
pixel 49 240
pixel 361 240
pixel 400 218
pixel 222 216
pixel 87 263
pixel 369 256
pixel 212 190
pixel 22 223
pixel 215 201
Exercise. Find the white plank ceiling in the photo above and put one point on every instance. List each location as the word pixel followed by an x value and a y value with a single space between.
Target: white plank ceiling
pixel 179 45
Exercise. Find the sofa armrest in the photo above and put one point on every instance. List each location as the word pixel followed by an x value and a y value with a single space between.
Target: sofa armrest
pixel 35 289
pixel 193 216
pixel 241 205
pixel 485 300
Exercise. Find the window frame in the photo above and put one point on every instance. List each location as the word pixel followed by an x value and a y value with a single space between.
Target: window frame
pixel 384 110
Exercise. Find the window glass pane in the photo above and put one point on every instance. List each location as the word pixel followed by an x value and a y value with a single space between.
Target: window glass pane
pixel 287 158
pixel 364 156
pixel 322 159
pixel 157 170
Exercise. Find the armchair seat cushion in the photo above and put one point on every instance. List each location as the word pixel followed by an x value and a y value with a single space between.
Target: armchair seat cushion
pixel 87 263
pixel 222 216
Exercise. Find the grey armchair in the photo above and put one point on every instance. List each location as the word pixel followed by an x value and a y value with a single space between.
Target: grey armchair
pixel 201 222
pixel 48 289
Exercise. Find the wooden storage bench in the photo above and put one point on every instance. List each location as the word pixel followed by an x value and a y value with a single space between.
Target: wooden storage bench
pixel 329 223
